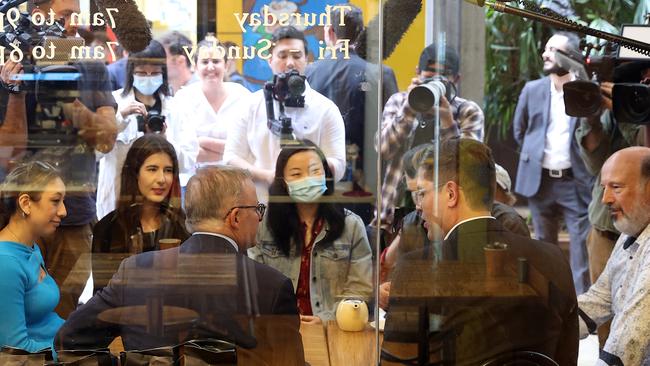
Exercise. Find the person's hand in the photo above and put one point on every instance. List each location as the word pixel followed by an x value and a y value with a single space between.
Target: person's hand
pixel 384 294
pixel 74 112
pixel 414 82
pixel 606 92
pixel 446 117
pixel 310 319
pixel 9 72
pixel 134 107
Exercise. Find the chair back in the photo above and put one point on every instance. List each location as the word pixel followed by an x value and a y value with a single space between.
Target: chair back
pixel 520 358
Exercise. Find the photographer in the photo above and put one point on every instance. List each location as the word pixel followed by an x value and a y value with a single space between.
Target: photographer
pixel 92 117
pixel 400 123
pixel 252 145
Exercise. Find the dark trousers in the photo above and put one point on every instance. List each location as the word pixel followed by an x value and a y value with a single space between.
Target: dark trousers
pixel 570 198
pixel 67 257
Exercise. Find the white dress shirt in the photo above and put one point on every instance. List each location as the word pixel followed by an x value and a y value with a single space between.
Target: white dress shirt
pixel 557 147
pixel 319 121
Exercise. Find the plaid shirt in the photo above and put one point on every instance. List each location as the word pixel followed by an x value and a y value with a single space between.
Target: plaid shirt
pixel 398 128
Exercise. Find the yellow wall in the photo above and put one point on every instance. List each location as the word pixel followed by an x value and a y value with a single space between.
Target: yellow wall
pixel 405 57
pixel 403 61
pixel 227 27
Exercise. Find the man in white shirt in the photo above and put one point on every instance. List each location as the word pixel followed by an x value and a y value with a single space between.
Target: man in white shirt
pixel 251 145
pixel 551 173
pixel 621 291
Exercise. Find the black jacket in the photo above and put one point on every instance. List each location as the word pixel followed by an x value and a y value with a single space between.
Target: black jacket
pixel 236 299
pixel 488 325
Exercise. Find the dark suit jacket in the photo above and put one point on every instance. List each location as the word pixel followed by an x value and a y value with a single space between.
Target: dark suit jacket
pixel 236 298
pixel 489 326
pixel 349 83
pixel 530 124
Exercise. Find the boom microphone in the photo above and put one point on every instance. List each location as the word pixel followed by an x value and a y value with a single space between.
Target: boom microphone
pixel 131 27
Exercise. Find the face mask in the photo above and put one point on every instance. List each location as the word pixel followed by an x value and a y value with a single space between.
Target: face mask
pixel 147 85
pixel 308 189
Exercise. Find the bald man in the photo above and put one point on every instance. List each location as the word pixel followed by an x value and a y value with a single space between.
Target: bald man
pixel 622 290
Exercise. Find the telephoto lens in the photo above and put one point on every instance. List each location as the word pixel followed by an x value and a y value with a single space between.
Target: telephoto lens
pixel 424 96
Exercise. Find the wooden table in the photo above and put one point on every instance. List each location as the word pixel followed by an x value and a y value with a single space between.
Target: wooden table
pixel 335 345
pixel 352 348
pixel 314 342
pixel 424 288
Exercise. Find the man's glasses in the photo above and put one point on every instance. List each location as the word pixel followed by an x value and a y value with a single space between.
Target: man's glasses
pixel 260 208
pixel 418 195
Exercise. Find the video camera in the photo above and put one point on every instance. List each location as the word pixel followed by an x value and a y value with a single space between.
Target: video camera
pixel 287 88
pixel 424 96
pixel 22 37
pixel 583 97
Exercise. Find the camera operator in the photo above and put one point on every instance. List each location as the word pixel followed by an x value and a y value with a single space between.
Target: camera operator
pixel 400 124
pixel 252 145
pixel 93 116
pixel 599 137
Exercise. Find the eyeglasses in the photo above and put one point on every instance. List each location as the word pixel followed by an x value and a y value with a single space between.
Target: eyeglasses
pixel 143 73
pixel 260 208
pixel 418 195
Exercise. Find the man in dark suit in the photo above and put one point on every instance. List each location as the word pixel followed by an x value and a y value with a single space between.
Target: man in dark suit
pixel 208 285
pixel 347 79
pixel 551 173
pixel 475 316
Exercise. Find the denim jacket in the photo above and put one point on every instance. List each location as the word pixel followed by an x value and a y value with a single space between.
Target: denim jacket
pixel 339 270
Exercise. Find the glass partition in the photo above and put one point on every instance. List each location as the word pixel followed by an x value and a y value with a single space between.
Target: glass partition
pixel 320 182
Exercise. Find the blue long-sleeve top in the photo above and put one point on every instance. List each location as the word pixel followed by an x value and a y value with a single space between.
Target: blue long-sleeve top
pixel 27 317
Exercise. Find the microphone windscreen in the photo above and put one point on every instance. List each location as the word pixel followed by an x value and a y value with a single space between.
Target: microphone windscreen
pixel 131 27
pixel 398 17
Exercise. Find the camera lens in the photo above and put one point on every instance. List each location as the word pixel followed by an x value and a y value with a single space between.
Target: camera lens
pixel 155 122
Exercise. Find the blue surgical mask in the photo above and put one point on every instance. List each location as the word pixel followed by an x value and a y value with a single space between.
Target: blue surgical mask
pixel 147 85
pixel 307 189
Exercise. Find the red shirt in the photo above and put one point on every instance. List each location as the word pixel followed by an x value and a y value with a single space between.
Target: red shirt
pixel 302 290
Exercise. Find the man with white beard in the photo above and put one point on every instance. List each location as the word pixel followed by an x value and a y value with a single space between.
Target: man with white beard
pixel 621 292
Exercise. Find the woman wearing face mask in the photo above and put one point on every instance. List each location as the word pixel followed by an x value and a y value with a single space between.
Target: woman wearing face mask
pixel 144 98
pixel 31 200
pixel 320 246
pixel 211 104
pixel 148 209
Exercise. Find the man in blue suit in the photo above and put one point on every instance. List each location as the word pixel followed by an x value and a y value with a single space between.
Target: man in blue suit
pixel 215 290
pixel 551 173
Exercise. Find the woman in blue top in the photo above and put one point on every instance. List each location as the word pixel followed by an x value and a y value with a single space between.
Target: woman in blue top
pixel 31 199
